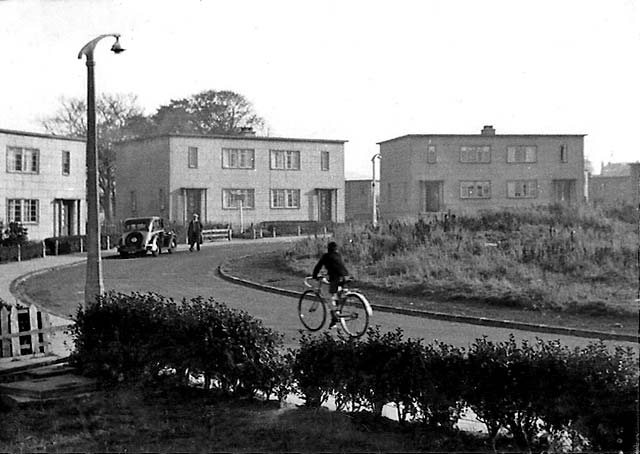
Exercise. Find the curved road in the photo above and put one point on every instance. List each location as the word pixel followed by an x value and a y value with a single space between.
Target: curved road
pixel 185 274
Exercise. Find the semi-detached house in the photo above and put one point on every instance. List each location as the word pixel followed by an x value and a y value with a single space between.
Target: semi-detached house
pixel 43 183
pixel 432 173
pixel 229 179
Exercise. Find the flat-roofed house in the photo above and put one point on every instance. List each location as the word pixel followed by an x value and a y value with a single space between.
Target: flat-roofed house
pixel 432 173
pixel 228 178
pixel 43 183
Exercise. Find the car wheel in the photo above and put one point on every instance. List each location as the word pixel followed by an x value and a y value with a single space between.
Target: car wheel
pixel 155 248
pixel 172 246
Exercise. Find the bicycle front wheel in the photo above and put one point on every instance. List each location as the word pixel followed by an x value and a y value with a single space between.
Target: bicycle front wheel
pixel 311 310
pixel 354 314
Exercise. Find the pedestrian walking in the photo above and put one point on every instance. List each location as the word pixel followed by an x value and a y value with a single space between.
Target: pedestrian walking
pixel 194 233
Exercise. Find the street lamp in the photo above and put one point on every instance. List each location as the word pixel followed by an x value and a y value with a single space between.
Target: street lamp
pixel 94 284
pixel 373 189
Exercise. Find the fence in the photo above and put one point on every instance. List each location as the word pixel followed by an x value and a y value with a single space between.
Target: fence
pixel 23 331
pixel 214 234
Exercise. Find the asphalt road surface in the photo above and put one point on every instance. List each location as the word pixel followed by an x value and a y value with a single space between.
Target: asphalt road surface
pixel 185 274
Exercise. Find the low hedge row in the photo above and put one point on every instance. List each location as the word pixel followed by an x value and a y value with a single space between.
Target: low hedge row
pixel 588 397
pixel 52 246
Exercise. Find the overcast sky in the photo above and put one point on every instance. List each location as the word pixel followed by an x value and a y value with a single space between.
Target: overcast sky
pixel 362 71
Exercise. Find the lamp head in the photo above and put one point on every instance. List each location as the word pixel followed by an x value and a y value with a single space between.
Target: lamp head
pixel 117 48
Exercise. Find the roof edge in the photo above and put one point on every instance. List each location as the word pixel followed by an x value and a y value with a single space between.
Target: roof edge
pixel 418 136
pixel 234 137
pixel 40 134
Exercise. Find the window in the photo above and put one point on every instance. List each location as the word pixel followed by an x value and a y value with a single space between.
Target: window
pixel 475 189
pixel 231 199
pixel 193 158
pixel 23 210
pixel 518 154
pixel 238 158
pixel 66 163
pixel 324 160
pixel 285 160
pixel 522 189
pixel 431 154
pixel 23 160
pixel 474 154
pixel 285 198
pixel 564 153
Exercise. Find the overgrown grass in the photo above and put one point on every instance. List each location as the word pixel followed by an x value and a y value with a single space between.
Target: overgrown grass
pixel 560 258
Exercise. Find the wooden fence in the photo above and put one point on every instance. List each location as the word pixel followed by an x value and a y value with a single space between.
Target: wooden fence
pixel 23 331
pixel 214 234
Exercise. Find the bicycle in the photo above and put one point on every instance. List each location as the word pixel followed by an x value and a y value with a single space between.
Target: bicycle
pixel 352 308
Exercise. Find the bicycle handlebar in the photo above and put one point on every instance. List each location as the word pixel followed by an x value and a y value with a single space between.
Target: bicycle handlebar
pixel 307 280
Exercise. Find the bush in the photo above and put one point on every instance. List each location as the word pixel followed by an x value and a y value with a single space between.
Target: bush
pixel 141 336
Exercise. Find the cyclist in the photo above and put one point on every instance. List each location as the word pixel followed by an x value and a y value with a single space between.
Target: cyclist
pixel 337 271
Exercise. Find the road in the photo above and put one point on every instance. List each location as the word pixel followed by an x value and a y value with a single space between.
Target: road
pixel 185 274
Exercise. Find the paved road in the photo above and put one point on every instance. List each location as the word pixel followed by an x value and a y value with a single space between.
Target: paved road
pixel 187 274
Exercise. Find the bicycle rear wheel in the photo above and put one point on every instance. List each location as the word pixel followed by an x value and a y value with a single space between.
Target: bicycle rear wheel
pixel 354 314
pixel 311 310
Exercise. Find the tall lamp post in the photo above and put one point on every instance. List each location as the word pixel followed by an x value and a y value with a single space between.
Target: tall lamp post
pixel 94 284
pixel 373 189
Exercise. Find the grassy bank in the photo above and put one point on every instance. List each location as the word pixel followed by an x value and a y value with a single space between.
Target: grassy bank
pixel 566 259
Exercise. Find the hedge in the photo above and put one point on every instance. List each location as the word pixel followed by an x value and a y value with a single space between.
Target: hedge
pixel 540 394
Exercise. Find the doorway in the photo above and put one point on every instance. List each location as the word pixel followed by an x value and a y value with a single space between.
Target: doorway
pixel 325 205
pixel 432 196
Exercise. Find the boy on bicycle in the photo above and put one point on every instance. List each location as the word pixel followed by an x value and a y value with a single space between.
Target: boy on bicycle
pixel 337 272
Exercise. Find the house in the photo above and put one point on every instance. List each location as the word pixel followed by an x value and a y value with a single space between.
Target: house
pixel 615 185
pixel 431 173
pixel 226 179
pixel 43 184
pixel 358 200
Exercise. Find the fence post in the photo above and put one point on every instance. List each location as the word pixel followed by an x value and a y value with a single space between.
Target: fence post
pixel 19 253
pixel 57 247
pixel 33 326
pixel 5 346
pixel 229 234
pixel 254 233
pixel 324 231
pixel 298 230
pixel 274 231
pixel 261 232
pixel 44 249
pixel 13 329
pixel 81 245
pixel 108 242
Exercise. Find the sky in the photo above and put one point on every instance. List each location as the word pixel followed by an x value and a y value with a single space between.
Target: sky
pixel 361 71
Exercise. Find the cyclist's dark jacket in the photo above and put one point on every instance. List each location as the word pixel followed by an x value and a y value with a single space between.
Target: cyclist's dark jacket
pixel 335 267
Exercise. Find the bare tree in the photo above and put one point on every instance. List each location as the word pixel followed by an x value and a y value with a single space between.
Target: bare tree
pixel 118 116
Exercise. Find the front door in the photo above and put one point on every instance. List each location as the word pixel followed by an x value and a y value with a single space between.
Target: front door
pixel 432 196
pixel 194 203
pixel 325 205
pixel 565 190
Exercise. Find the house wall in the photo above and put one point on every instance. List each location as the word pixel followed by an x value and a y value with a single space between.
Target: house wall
pixel 142 172
pixel 358 200
pixel 404 164
pixel 48 184
pixel 610 191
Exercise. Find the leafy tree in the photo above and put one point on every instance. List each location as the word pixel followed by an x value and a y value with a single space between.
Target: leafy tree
pixel 208 112
pixel 118 117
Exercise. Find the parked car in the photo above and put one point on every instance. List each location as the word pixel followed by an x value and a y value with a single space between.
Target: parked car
pixel 141 235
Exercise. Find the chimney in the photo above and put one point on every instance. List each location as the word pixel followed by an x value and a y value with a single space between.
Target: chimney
pixel 247 131
pixel 488 131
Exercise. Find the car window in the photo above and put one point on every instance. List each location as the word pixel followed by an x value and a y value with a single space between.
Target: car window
pixel 130 226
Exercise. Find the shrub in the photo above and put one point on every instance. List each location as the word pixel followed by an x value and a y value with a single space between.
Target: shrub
pixel 140 336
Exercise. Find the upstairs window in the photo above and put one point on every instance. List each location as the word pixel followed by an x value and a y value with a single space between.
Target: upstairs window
pixel 522 154
pixel 23 160
pixel 564 153
pixel 475 154
pixel 324 160
pixel 285 160
pixel 431 154
pixel 192 159
pixel 66 163
pixel 475 189
pixel 238 158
